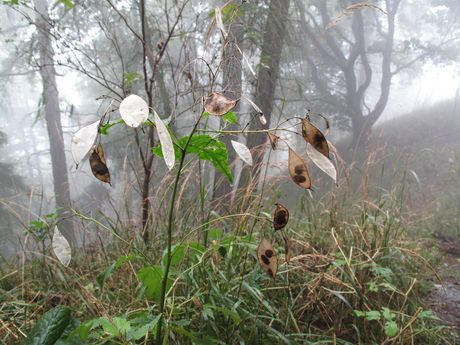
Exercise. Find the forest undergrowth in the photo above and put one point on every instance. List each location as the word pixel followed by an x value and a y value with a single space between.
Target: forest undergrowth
pixel 354 273
pixel 355 277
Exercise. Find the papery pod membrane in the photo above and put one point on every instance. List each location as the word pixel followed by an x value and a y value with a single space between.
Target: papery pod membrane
pixel 280 217
pixel 98 164
pixel 82 141
pixel 134 110
pixel 314 137
pixel 243 152
pixel 273 140
pixel 267 258
pixel 61 247
pixel 167 147
pixel 287 249
pixel 217 104
pixel 298 170
pixel 262 118
pixel 322 162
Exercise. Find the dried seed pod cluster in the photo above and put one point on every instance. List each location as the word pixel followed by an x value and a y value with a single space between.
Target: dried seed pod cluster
pixel 265 252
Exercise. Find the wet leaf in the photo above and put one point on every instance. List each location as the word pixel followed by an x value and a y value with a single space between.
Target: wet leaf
pixel 315 137
pixel 49 329
pixel 167 147
pixel 273 140
pixel 217 104
pixel 98 164
pixel 280 217
pixel 82 141
pixel 322 162
pixel 134 110
pixel 61 247
pixel 243 152
pixel 287 249
pixel 267 258
pixel 298 170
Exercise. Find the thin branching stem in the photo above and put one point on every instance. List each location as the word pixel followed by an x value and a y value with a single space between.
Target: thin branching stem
pixel 169 231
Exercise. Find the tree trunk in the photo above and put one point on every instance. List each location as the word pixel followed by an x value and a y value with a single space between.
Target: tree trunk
pixel 272 46
pixel 53 119
pixel 232 87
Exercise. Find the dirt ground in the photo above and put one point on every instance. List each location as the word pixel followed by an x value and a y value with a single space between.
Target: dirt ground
pixel 444 299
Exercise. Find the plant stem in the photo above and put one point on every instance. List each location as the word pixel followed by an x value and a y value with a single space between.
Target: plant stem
pixel 169 232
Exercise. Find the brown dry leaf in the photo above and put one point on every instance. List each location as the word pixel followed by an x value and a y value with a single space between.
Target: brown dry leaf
pixel 217 104
pixel 314 137
pixel 273 140
pixel 267 258
pixel 98 164
pixel 280 217
pixel 298 170
pixel 287 249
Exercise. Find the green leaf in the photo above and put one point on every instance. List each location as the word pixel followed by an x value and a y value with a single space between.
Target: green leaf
pixel 369 315
pixel 206 148
pixel 230 117
pixel 388 314
pixel 142 331
pixel 50 327
pixel 214 234
pixel 226 312
pixel 177 254
pixel 391 328
pixel 116 326
pixel 67 3
pixel 151 278
pixel 103 276
pixel 104 130
pixel 11 2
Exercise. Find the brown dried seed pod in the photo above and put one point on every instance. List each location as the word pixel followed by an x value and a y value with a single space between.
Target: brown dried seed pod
pixel 98 164
pixel 298 170
pixel 315 137
pixel 267 258
pixel 217 104
pixel 280 217
pixel 273 140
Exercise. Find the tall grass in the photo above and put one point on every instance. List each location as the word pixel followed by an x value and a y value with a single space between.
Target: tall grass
pixel 355 278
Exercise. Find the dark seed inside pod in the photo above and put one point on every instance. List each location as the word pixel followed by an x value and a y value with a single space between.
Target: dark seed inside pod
pixel 100 169
pixel 299 178
pixel 299 169
pixel 265 259
pixel 318 139
pixel 269 253
pixel 281 217
pixel 270 272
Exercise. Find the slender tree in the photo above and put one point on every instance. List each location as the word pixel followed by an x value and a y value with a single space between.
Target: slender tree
pixel 232 86
pixel 53 117
pixel 268 74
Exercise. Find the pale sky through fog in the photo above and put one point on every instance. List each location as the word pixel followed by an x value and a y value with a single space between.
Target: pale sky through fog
pixel 434 84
